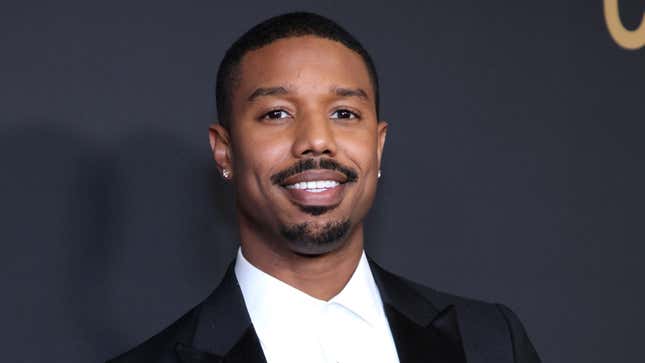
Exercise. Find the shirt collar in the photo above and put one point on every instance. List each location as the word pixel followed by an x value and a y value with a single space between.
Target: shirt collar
pixel 361 295
pixel 268 296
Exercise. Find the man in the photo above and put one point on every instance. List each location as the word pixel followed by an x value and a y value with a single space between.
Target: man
pixel 300 138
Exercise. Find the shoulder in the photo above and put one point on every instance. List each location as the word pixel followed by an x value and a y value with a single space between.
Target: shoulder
pixel 494 321
pixel 441 299
pixel 161 347
pixel 438 299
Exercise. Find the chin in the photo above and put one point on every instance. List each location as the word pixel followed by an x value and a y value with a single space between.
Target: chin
pixel 314 250
pixel 316 238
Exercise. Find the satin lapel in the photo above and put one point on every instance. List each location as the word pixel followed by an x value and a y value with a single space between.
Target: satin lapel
pixel 421 332
pixel 224 333
pixel 188 354
pixel 247 350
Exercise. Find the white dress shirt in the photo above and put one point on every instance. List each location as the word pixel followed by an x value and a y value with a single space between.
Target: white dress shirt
pixel 294 327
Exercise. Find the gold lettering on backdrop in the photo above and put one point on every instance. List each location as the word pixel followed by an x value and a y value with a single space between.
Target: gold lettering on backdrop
pixel 628 39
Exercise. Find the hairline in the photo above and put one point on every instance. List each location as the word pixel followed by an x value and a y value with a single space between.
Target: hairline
pixel 232 81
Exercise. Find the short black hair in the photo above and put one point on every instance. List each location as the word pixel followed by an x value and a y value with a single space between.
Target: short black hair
pixel 295 24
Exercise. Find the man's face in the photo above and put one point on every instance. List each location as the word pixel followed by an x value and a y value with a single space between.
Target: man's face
pixel 305 143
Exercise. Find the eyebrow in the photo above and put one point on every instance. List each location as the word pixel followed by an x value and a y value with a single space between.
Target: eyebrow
pixel 268 91
pixel 279 90
pixel 350 92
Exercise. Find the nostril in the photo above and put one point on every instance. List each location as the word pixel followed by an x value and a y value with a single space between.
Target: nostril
pixel 313 152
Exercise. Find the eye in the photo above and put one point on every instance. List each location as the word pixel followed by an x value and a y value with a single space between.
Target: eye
pixel 275 115
pixel 344 114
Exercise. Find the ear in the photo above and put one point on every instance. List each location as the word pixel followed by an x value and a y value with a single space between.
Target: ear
pixel 381 133
pixel 220 141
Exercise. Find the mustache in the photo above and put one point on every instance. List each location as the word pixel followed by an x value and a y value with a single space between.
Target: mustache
pixel 310 164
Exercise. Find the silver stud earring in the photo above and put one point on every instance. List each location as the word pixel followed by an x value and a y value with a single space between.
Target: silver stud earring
pixel 226 174
pixel 379 174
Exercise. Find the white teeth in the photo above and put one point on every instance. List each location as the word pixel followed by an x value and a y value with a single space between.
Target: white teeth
pixel 315 186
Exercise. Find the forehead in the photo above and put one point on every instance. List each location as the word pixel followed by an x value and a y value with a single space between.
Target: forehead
pixel 303 63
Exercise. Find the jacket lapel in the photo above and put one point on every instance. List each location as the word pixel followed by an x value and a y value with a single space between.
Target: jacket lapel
pixel 247 350
pixel 421 332
pixel 224 333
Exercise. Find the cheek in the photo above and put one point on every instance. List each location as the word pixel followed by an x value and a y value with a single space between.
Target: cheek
pixel 257 156
pixel 361 149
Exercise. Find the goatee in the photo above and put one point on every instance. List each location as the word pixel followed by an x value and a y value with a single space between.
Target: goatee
pixel 311 239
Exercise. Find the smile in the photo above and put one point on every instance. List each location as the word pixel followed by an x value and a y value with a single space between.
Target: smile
pixel 314 186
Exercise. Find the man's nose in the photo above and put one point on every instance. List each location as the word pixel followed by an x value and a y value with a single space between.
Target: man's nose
pixel 314 136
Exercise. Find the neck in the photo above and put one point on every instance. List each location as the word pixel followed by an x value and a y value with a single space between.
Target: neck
pixel 322 276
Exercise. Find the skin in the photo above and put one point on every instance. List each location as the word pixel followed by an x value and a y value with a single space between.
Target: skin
pixel 312 119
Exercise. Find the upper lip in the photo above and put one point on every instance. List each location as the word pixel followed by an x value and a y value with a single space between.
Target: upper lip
pixel 316 174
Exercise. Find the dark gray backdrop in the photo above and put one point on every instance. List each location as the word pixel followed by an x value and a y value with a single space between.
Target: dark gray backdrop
pixel 513 170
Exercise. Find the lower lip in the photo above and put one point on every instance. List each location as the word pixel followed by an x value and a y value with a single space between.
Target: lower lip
pixel 320 198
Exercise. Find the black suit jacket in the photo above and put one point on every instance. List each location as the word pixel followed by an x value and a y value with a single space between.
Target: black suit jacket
pixel 427 326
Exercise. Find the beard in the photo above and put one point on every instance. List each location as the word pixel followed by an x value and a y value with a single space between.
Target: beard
pixel 314 239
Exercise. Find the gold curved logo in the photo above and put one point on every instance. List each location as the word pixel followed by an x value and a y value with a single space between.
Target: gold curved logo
pixel 628 39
